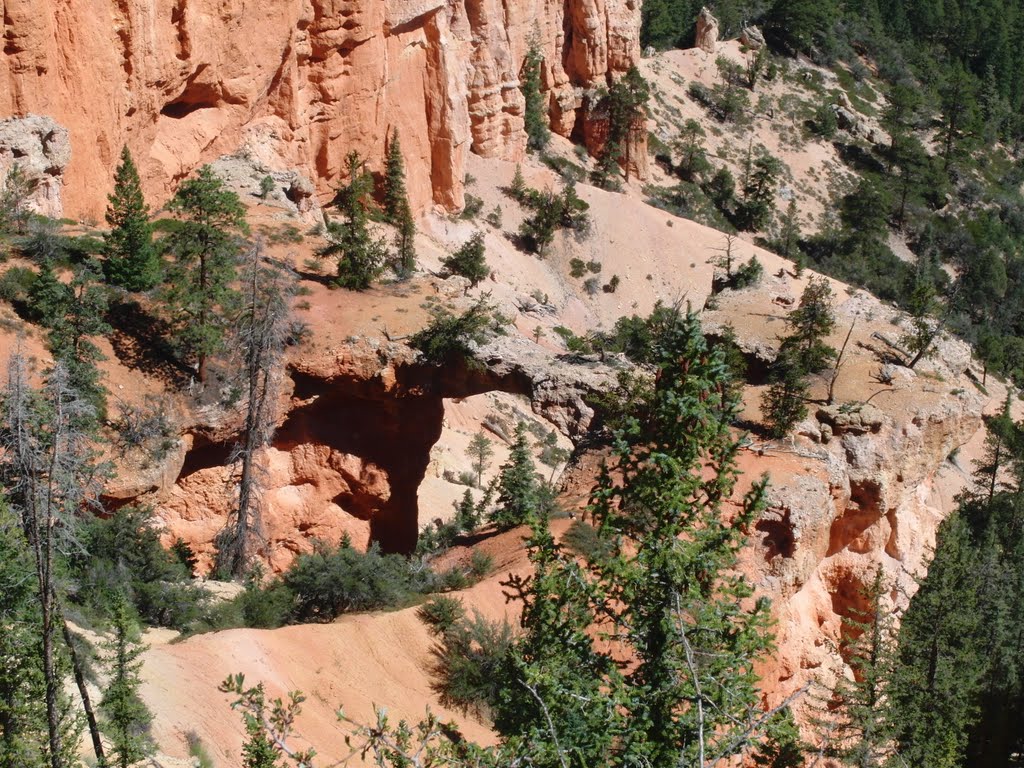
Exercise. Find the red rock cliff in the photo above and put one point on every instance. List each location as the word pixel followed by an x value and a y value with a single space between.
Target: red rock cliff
pixel 299 83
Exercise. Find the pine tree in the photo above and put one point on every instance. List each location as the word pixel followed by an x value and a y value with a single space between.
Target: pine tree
pixel 789 235
pixel 959 111
pixel 470 260
pixel 480 451
pixel 70 342
pixel 23 732
pixel 361 254
pixel 859 724
pixel 517 485
pixel 535 115
pixel 48 298
pixel 809 325
pixel 627 110
pixel 539 227
pixel 259 750
pixel 664 587
pixel 397 210
pixel 936 682
pixel 606 173
pixel 758 204
pixel 784 402
pixel 14 211
pixel 206 247
pixel 924 327
pixel 692 155
pixel 126 717
pixel 784 748
pixel 466 515
pixel 622 107
pixel 132 260
pixel 49 474
pixel 517 189
pixel 900 113
pixel 405 243
pixel 553 704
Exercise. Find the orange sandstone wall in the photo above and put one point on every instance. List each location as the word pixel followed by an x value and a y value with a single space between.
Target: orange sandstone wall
pixel 299 83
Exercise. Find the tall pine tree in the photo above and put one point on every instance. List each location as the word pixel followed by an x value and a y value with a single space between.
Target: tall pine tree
pixel 206 247
pixel 663 593
pixel 517 485
pixel 535 115
pixel 361 254
pixel 126 719
pixel 132 260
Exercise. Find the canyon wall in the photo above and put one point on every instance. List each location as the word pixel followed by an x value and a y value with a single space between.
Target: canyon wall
pixel 300 83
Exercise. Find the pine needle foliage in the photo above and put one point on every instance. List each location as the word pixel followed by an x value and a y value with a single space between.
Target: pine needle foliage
pixel 535 116
pixel 132 259
pixel 126 717
pixel 360 253
pixel 663 592
pixel 206 247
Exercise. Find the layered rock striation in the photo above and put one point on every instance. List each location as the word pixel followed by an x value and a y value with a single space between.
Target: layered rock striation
pixel 300 83
pixel 357 427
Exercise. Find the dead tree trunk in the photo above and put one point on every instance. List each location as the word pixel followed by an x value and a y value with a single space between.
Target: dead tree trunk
pixel 48 474
pixel 263 333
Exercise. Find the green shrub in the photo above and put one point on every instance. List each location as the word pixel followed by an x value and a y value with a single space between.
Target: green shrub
pixel 582 538
pixel 466 664
pixel 266 607
pixel 480 564
pixel 474 205
pixel 442 613
pixel 197 750
pixel 564 167
pixel 573 343
pixel 16 283
pixel 748 273
pixel 450 338
pixel 825 122
pixel 577 268
pixel 267 185
pixel 470 260
pixel 44 242
pixel 123 555
pixel 328 583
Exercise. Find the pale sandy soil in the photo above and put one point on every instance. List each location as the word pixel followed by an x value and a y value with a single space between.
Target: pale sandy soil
pixel 815 171
pixel 359 662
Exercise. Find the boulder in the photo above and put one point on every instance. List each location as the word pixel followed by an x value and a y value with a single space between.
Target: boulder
pixel 753 38
pixel 707 31
pixel 846 118
pixel 301 192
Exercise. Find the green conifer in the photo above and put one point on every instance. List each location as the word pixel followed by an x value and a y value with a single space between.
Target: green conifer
pixel 126 717
pixel 132 260
pixel 535 115
pixel 395 196
pixel 361 255
pixel 470 260
pixel 517 485
pixel 206 247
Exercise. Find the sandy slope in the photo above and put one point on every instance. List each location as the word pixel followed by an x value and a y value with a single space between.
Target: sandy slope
pixel 358 662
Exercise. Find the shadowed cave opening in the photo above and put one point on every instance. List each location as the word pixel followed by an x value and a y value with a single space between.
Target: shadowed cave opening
pixel 393 428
